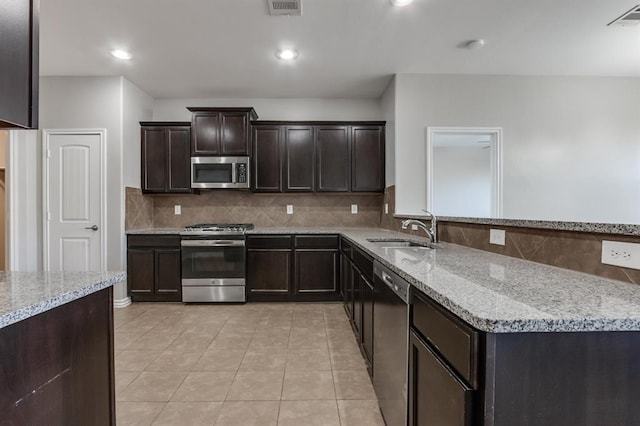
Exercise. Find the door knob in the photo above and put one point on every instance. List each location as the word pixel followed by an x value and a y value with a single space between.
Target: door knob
pixel 93 228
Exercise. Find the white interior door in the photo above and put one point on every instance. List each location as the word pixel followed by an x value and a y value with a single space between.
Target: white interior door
pixel 73 200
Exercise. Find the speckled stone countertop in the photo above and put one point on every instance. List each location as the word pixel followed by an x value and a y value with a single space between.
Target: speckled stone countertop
pixel 152 231
pixel 601 228
pixel 26 294
pixel 496 293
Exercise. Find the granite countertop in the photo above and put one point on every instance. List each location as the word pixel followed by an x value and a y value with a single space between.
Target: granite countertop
pixel 496 293
pixel 26 294
pixel 152 231
pixel 596 227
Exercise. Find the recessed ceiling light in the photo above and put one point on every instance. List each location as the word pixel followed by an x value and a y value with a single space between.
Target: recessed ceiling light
pixel 287 54
pixel 400 2
pixel 121 54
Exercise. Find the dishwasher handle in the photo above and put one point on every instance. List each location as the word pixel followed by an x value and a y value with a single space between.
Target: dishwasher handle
pixel 398 285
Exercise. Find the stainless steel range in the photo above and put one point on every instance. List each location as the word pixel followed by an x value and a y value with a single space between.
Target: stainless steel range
pixel 213 262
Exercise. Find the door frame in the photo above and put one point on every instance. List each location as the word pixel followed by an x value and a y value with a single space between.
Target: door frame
pixel 496 163
pixel 46 216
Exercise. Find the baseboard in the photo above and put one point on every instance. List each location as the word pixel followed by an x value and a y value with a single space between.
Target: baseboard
pixel 121 303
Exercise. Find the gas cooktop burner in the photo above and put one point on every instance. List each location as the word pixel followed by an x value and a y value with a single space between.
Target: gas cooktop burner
pixel 217 228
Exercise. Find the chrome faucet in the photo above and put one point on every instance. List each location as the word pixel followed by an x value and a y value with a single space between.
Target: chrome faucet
pixel 431 232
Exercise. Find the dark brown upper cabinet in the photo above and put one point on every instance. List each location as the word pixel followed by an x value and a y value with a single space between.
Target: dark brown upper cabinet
pixel 166 164
pixel 333 159
pixel 221 131
pixel 19 72
pixel 299 159
pixel 318 156
pixel 267 152
pixel 367 158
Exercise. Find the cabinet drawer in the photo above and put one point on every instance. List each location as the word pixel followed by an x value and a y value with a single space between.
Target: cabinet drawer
pixel 346 247
pixel 364 262
pixel 455 341
pixel 269 241
pixel 153 241
pixel 317 241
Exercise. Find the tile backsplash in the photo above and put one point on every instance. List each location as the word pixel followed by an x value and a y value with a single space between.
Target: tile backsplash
pixel 322 210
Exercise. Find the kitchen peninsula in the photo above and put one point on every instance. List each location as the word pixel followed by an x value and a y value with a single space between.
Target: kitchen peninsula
pixel 495 340
pixel 56 347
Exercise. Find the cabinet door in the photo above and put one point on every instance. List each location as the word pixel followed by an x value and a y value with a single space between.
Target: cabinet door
pixel 179 175
pixel 436 395
pixel 316 274
pixel 168 285
pixel 346 283
pixel 268 274
pixel 367 167
pixel 154 159
pixel 357 302
pixel 267 159
pixel 205 133
pixel 367 320
pixel 299 159
pixel 19 58
pixel 140 272
pixel 234 133
pixel 333 159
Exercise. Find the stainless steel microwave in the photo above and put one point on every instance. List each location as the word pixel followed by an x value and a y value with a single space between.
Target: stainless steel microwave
pixel 219 172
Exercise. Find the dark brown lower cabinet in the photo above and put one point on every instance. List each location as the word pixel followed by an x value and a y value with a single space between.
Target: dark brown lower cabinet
pixel 153 268
pixel 316 274
pixel 301 268
pixel 57 368
pixel 437 396
pixel 268 274
pixel 367 320
pixel 346 284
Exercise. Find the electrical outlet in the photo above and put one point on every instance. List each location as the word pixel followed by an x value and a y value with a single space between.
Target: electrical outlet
pixel 354 209
pixel 289 208
pixel 386 208
pixel 177 209
pixel 497 237
pixel 621 254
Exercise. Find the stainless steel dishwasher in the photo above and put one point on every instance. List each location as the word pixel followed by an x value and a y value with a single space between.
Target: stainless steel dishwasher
pixel 390 344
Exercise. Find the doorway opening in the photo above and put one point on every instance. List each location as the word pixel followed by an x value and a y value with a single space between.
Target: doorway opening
pixel 464 171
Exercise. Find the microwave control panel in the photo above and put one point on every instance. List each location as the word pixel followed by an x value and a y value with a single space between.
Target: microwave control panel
pixel 242 172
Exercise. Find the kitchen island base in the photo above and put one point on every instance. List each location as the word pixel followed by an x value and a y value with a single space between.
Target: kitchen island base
pixel 57 367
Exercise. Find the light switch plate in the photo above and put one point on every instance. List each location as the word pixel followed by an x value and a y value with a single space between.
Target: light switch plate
pixel 617 253
pixel 386 208
pixel 354 209
pixel 177 209
pixel 289 208
pixel 497 236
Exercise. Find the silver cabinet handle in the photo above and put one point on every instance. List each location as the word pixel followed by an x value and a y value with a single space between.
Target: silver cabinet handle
pixel 93 228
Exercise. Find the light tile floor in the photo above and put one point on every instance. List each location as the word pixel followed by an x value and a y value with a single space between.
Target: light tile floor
pixel 253 364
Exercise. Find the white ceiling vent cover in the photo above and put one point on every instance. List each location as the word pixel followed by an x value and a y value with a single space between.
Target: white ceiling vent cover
pixel 632 17
pixel 285 7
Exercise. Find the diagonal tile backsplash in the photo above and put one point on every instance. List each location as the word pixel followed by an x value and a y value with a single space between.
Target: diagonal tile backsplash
pixel 322 210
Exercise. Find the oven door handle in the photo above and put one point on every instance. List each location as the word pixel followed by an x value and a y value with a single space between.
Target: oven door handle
pixel 212 243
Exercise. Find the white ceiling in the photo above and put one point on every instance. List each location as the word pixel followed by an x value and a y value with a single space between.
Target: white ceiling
pixel 348 48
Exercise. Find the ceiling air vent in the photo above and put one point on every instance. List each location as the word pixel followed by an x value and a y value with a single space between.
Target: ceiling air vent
pixel 285 7
pixel 632 17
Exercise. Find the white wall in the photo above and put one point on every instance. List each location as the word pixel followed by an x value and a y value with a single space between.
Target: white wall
pixel 24 183
pixel 571 144
pixel 461 181
pixel 388 106
pixel 276 109
pixel 136 106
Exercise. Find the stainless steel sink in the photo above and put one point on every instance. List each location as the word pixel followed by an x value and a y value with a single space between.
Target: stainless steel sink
pixel 399 243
